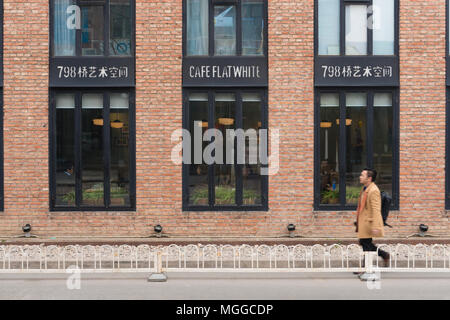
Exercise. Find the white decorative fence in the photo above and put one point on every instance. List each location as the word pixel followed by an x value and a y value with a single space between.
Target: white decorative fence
pixel 219 258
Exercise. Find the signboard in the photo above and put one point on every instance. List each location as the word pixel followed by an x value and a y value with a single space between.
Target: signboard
pixel 93 72
pixel 224 71
pixel 356 71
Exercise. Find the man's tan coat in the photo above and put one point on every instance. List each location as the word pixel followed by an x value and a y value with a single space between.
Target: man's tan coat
pixel 369 213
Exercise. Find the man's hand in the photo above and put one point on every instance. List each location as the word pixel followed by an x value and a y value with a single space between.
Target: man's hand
pixel 375 231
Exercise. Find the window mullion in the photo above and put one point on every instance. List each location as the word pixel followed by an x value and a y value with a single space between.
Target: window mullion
pixel 342 29
pixel 238 28
pixel 370 17
pixel 369 132
pixel 211 29
pixel 106 148
pixel 53 148
pixel 106 28
pixel 78 32
pixel 342 147
pixel 78 155
pixel 238 167
pixel 211 117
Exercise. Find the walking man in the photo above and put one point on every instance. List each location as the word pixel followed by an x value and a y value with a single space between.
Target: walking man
pixel 369 222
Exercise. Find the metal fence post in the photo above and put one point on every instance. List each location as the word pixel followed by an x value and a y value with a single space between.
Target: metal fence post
pixel 159 275
pixel 369 274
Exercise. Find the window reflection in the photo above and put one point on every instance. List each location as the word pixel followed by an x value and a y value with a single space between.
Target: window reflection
pixel 198 170
pixel 251 173
pixel 63 37
pixel 382 144
pixel 356 157
pixel 120 28
pixel 224 174
pixel 92 30
pixel 92 172
pixel 252 27
pixel 225 30
pixel 65 142
pixel 329 152
pixel 119 139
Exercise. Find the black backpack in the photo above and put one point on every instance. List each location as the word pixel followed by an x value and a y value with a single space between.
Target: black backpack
pixel 386 201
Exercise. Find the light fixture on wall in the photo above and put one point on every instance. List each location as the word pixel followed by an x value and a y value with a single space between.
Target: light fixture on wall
pixel 158 230
pixel 26 232
pixel 291 229
pixel 423 228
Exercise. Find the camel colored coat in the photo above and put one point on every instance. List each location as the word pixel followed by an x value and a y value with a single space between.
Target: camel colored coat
pixel 369 209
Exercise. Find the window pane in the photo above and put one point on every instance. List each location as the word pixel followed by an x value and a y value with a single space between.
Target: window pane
pixel 92 30
pixel 65 159
pixel 356 157
pixel 119 134
pixel 92 150
pixel 329 16
pixel 198 172
pixel 197 27
pixel 252 27
pixel 329 148
pixel 382 143
pixel 356 30
pixel 63 36
pixel 224 175
pixel 224 30
pixel 120 28
pixel 251 175
pixel 383 27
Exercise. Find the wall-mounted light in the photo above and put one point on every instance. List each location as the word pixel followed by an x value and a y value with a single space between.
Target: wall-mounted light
pixel 423 228
pixel 291 229
pixel 158 229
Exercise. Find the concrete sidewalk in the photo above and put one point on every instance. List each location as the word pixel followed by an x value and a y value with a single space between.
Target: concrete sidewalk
pixel 206 286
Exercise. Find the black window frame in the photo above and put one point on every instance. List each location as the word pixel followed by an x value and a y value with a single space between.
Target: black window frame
pixel 106 31
pixel 106 149
pixel 344 3
pixel 447 106
pixel 238 5
pixel 370 91
pixel 2 194
pixel 238 167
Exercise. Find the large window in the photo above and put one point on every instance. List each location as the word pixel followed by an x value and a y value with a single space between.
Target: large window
pixel 233 179
pixel 355 128
pixel 92 150
pixel 225 28
pixel 357 28
pixel 92 27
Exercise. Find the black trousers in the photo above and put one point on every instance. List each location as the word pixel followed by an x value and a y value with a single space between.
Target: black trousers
pixel 368 245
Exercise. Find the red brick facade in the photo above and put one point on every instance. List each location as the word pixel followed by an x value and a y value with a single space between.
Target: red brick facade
pixel 159 113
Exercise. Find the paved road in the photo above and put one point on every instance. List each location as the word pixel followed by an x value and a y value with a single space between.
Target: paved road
pixel 226 286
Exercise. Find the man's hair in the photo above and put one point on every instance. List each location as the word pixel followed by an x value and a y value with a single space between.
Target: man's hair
pixel 371 173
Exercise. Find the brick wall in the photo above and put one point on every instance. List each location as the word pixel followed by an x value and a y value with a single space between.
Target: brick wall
pixel 159 112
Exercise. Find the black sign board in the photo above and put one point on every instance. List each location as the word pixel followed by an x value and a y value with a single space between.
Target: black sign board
pixel 92 72
pixel 356 71
pixel 225 72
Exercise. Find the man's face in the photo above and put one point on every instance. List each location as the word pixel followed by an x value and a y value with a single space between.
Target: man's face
pixel 363 178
